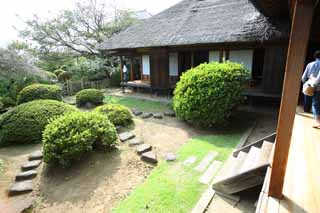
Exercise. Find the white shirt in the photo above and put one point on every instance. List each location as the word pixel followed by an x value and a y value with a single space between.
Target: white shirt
pixel 125 68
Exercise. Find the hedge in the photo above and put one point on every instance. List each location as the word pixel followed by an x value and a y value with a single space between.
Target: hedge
pixel 91 96
pixel 206 95
pixel 25 123
pixel 118 114
pixel 39 91
pixel 70 137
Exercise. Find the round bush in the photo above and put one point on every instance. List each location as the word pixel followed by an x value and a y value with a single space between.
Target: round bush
pixel 118 114
pixel 207 94
pixel 7 102
pixel 91 96
pixel 39 91
pixel 69 137
pixel 25 123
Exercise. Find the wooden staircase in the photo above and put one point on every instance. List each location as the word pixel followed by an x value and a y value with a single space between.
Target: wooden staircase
pixel 246 168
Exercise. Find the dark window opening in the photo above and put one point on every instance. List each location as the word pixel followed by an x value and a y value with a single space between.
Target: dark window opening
pixel 257 67
pixel 200 57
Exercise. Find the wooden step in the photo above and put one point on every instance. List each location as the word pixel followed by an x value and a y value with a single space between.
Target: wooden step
pixel 265 152
pixel 206 161
pixel 209 174
pixel 236 164
pixel 252 160
pixel 226 168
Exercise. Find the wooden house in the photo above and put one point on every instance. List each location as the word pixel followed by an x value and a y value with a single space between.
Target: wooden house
pixel 158 50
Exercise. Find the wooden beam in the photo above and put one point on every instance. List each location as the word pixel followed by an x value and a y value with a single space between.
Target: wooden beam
pixel 300 33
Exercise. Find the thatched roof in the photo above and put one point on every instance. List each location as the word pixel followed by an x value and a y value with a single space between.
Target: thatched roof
pixel 201 22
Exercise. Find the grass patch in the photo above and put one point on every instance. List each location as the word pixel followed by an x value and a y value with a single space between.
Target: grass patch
pixel 173 187
pixel 139 104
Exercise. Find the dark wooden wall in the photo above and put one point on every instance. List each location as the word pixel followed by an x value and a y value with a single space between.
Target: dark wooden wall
pixel 273 69
pixel 159 65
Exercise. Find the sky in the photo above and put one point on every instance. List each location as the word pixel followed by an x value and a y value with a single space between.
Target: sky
pixel 46 8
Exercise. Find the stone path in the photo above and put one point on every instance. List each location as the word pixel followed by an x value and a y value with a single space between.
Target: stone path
pixel 146 115
pixel 210 172
pixel 191 160
pixel 206 161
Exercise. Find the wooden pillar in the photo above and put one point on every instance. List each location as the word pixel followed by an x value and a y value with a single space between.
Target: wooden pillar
pixel 121 69
pixel 131 69
pixel 300 32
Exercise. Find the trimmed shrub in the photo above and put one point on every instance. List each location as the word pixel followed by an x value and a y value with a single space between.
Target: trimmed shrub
pixel 91 96
pixel 64 76
pixel 206 95
pixel 25 123
pixel 118 114
pixel 7 102
pixel 39 91
pixel 70 137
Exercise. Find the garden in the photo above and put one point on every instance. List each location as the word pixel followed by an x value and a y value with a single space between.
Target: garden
pixel 106 153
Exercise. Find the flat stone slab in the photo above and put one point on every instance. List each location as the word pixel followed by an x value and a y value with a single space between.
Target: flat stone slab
pixel 126 136
pixel 137 112
pixel 31 165
pixel 191 160
pixel 206 161
pixel 26 175
pixel 146 115
pixel 37 155
pixel 134 142
pixel 158 116
pixel 170 157
pixel 21 188
pixel 150 157
pixel 170 114
pixel 210 172
pixel 23 204
pixel 143 148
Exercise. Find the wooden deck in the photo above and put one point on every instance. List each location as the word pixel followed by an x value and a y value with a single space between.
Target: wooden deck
pixel 302 180
pixel 137 84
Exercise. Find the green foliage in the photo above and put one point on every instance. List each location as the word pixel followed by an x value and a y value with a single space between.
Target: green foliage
pixel 206 95
pixel 39 91
pixel 115 79
pixel 64 76
pixel 92 96
pixel 70 137
pixel 7 102
pixel 118 114
pixel 25 123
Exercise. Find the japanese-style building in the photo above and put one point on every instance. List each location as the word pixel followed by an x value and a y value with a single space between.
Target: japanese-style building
pixel 158 50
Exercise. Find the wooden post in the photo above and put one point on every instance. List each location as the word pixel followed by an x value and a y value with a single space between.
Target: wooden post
pixel 300 32
pixel 121 69
pixel 131 69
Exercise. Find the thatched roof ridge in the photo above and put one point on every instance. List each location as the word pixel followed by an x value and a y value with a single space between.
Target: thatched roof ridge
pixel 201 22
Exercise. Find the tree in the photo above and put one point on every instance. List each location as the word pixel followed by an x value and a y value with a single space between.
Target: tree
pixel 79 30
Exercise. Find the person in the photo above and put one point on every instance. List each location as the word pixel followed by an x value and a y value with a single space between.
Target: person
pixel 313 71
pixel 125 72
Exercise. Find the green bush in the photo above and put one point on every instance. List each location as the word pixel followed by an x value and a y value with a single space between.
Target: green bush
pixel 39 91
pixel 206 95
pixel 115 79
pixel 51 76
pixel 91 96
pixel 25 123
pixel 118 114
pixel 71 136
pixel 7 102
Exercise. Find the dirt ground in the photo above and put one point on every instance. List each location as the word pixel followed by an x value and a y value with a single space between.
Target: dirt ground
pixel 101 180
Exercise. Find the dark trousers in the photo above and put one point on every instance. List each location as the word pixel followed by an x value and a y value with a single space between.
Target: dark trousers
pixel 307 103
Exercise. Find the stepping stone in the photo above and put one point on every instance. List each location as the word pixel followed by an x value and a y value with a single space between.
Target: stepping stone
pixel 134 142
pixel 157 116
pixel 31 165
pixel 21 187
pixel 191 160
pixel 170 114
pixel 26 175
pixel 206 161
pixel 126 136
pixel 37 155
pixel 150 157
pixel 143 148
pixel 22 204
pixel 146 115
pixel 136 112
pixel 170 157
pixel 210 172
